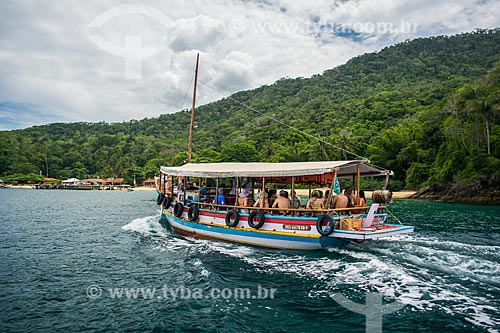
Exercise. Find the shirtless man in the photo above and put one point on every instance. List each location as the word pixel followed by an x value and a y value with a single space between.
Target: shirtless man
pixel 340 201
pixel 282 201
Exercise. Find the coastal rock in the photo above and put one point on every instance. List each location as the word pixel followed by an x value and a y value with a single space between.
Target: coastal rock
pixel 482 191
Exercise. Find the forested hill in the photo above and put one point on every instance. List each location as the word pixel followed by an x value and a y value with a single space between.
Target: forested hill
pixel 427 109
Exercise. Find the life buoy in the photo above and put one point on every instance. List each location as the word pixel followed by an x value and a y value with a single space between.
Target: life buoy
pixel 159 199
pixel 167 202
pixel 232 218
pixel 259 215
pixel 330 227
pixel 178 209
pixel 193 213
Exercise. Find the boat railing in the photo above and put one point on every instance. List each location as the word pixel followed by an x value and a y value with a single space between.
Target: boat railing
pixel 292 211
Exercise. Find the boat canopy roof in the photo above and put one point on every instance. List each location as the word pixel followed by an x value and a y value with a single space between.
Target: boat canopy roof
pixel 273 170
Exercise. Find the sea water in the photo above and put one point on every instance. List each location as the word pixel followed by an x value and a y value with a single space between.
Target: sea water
pixel 103 261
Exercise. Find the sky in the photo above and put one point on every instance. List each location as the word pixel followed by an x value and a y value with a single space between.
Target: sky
pixel 110 60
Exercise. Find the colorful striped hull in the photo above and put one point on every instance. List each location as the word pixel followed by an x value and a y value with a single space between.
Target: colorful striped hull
pixel 278 232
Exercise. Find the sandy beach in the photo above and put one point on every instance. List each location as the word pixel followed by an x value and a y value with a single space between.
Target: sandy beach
pixel 144 188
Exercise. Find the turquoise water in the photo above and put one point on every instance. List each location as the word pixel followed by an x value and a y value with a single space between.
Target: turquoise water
pixel 59 248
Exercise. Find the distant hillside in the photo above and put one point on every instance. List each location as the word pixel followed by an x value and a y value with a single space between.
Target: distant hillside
pixel 421 108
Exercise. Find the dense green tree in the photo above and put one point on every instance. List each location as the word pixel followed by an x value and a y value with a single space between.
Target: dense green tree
pixel 206 155
pixel 179 159
pixel 152 166
pixel 239 152
pixel 79 170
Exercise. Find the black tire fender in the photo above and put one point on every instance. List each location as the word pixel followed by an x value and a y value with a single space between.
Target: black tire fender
pixel 256 214
pixel 330 225
pixel 159 199
pixel 193 213
pixel 167 202
pixel 232 214
pixel 178 209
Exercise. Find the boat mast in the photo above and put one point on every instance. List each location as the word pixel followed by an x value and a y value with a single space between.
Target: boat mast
pixel 191 126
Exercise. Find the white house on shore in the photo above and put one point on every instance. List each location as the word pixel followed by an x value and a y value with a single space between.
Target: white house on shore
pixel 71 181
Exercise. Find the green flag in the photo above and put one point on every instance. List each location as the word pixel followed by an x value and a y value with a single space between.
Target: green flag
pixel 336 185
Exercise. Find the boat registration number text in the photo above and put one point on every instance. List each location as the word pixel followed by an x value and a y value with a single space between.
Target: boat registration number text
pixel 296 227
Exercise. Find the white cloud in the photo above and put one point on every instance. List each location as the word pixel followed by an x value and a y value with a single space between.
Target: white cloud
pixel 235 71
pixel 201 32
pixel 47 58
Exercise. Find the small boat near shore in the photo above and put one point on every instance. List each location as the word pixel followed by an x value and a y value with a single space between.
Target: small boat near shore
pixel 190 214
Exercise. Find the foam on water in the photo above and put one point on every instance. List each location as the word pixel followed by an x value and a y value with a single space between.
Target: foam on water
pixel 164 241
pixel 146 226
pixel 422 271
pixel 413 274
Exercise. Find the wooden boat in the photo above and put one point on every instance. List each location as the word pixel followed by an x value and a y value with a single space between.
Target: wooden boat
pixel 296 228
pixel 192 211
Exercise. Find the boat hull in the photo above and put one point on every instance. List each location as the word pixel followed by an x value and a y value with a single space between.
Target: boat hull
pixel 211 225
pixel 241 235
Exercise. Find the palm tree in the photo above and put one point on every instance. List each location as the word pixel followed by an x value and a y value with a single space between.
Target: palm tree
pixel 485 102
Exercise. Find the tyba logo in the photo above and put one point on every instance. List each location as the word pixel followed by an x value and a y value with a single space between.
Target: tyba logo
pixel 132 51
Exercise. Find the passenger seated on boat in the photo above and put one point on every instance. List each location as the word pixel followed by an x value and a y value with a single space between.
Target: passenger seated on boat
pixel 340 201
pixel 232 194
pixel 168 186
pixel 202 193
pixel 191 186
pixel 244 200
pixel 296 200
pixel 272 197
pixel 351 202
pixel 362 203
pixel 362 199
pixel 325 199
pixel 230 199
pixel 282 202
pixel 263 197
pixel 207 198
pixel 248 186
pixel 221 198
pixel 315 202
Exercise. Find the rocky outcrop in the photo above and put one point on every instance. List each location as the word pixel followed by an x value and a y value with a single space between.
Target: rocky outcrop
pixel 482 191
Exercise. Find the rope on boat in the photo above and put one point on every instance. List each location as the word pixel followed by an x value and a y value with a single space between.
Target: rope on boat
pixel 394 216
pixel 187 90
pixel 283 123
